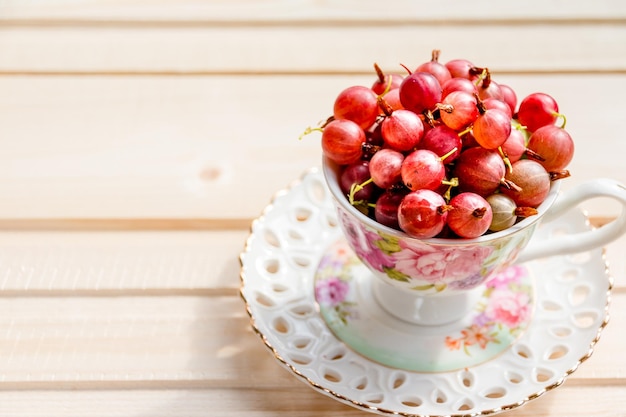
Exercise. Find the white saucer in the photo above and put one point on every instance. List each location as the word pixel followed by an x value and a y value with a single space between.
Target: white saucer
pixel 278 270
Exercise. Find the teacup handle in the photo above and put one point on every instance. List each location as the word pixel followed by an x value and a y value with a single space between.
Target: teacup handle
pixel 583 241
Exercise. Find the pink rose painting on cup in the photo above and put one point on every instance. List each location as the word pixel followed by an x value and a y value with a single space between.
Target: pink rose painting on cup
pixel 424 267
pixel 439 265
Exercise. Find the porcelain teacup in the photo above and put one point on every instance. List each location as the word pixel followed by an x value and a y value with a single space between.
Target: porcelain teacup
pixel 436 281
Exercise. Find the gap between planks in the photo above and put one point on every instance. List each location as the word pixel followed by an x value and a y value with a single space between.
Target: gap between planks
pixel 148 292
pixel 327 21
pixel 124 292
pixel 125 224
pixel 153 224
pixel 216 384
pixel 278 72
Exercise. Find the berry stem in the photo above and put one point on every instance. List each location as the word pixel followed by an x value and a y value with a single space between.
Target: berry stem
pixel 387 87
pixel 379 73
pixel 406 68
pixel 448 108
pixel 368 150
pixel 482 75
pixel 308 131
pixel 521 128
pixel 384 106
pixel 324 123
pixel 506 159
pixel 476 70
pixel 465 131
pixel 320 127
pixel 479 104
pixel 429 118
pixel 355 188
pixel 525 211
pixel 534 155
pixel 487 78
pixel 563 118
pixel 559 175
pixel 453 182
pixel 450 152
pixel 508 184
pixel 445 208
pixel 479 213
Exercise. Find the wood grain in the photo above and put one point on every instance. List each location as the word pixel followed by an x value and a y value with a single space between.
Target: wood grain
pixel 191 148
pixel 273 11
pixel 320 49
pixel 106 263
pixel 295 401
pixel 178 341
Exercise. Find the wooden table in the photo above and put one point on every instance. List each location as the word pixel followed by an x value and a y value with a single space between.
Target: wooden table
pixel 139 139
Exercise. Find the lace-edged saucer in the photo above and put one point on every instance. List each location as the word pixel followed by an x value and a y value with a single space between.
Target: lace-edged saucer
pixel 289 245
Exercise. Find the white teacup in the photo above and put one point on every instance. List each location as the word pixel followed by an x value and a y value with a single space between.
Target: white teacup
pixel 435 281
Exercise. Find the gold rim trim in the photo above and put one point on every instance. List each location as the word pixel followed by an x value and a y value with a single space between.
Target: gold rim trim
pixel 370 408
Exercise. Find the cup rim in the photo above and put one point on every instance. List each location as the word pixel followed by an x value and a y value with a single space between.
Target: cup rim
pixel 331 174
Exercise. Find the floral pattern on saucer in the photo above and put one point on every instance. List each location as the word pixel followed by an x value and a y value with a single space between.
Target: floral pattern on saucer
pixel 499 317
pixel 507 309
pixel 333 284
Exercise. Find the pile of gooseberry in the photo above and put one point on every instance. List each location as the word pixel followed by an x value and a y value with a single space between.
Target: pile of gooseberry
pixel 444 150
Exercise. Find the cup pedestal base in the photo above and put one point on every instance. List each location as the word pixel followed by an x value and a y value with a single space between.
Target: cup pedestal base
pixel 430 333
pixel 427 310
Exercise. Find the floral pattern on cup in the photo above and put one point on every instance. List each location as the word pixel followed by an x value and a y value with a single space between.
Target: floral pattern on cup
pixel 430 268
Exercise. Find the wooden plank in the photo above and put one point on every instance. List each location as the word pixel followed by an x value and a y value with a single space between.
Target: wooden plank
pixel 217 147
pixel 120 263
pixel 141 339
pixel 178 342
pixel 296 401
pixel 100 264
pixel 202 49
pixel 307 10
